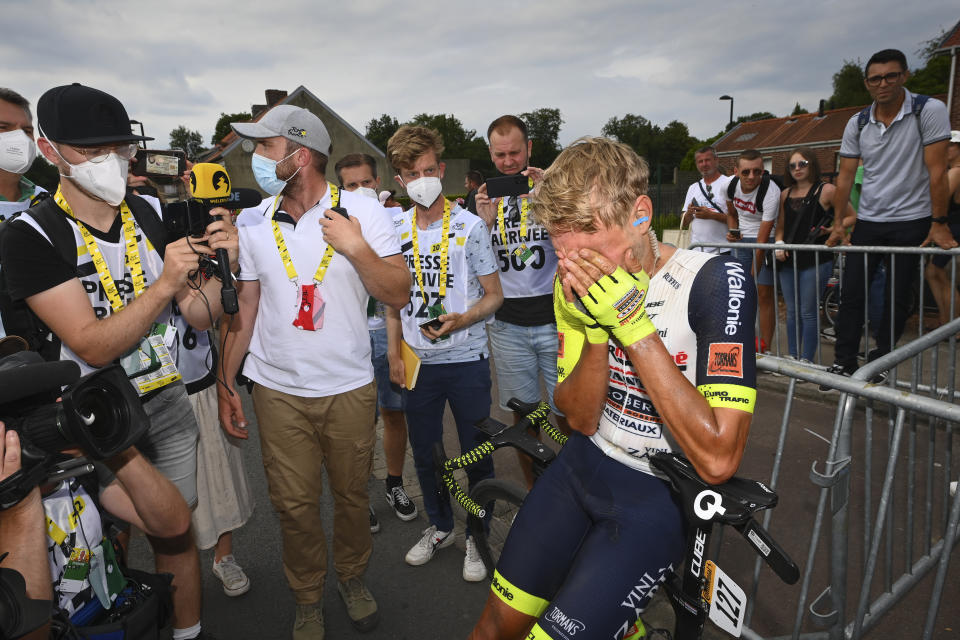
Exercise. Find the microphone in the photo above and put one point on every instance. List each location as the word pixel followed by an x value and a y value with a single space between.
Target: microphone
pixel 210 185
pixel 26 373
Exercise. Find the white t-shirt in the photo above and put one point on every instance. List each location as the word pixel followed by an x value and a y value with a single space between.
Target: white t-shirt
pixel 746 207
pixel 379 319
pixel 336 358
pixel 708 230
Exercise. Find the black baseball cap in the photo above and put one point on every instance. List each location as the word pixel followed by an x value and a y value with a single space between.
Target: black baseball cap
pixel 75 114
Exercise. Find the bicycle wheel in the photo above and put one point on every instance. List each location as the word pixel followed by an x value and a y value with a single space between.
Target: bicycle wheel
pixel 503 499
pixel 831 305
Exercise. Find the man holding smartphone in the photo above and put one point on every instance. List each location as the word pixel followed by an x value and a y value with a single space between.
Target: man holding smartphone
pixel 705 207
pixel 523 337
pixel 455 289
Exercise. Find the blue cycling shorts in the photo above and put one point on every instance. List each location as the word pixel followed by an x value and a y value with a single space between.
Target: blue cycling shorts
pixel 590 546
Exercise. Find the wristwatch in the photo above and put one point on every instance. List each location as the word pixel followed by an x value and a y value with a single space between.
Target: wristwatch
pixel 940 219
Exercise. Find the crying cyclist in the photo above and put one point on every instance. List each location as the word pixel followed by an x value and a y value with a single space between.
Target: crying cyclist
pixel 656 353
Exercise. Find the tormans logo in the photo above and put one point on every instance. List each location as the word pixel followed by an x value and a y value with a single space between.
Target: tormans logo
pixel 297 131
pixel 725 359
pixel 569 626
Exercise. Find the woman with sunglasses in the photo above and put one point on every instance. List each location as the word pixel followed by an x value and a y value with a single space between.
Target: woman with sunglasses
pixel 806 213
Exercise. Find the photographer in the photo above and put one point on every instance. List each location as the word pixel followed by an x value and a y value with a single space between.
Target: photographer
pixel 22 531
pixel 72 549
pixel 114 302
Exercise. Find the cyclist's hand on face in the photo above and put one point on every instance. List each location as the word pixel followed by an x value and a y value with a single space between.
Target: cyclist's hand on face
pixel 569 311
pixel 610 294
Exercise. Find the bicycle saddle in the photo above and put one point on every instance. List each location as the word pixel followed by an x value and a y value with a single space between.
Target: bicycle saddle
pixel 739 498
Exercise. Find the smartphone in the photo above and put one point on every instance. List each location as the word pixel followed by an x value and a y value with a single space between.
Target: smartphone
pixel 434 324
pixel 341 211
pixel 501 186
pixel 734 232
pixel 160 164
pixel 694 203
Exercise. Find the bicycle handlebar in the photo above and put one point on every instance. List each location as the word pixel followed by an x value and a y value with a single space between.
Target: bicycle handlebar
pixel 500 435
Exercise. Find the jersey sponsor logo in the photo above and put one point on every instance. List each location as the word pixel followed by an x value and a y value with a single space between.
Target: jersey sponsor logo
pixel 725 359
pixel 629 304
pixel 735 296
pixel 502 589
pixel 725 396
pixel 638 596
pixel 564 623
pixel 654 303
pixel 680 358
pixel 745 205
pixel 671 280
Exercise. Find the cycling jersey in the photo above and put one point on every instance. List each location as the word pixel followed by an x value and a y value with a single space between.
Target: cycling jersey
pixel 599 531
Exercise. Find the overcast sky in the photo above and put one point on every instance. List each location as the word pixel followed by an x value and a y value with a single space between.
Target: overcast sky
pixel 178 62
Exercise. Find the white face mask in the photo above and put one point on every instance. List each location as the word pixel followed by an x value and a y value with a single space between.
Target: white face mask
pixel 425 191
pixel 367 191
pixel 105 180
pixel 17 151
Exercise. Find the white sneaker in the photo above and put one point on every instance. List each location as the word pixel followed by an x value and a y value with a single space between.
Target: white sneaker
pixel 473 569
pixel 235 581
pixel 432 540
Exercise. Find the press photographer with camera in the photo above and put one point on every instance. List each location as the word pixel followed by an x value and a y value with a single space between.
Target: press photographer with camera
pixel 44 441
pixel 95 270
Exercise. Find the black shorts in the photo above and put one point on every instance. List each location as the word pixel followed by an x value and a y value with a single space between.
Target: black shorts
pixel 590 546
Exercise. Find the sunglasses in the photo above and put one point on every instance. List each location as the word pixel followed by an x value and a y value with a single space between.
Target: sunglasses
pixel 802 164
pixel 893 76
pixel 755 172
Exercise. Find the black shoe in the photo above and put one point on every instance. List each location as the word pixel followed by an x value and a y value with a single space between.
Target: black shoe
pixel 837 369
pixel 374 523
pixel 402 504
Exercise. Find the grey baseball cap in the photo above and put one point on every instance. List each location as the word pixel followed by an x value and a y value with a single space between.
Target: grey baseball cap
pixel 293 123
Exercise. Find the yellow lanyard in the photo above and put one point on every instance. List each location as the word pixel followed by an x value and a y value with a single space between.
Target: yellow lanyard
pixel 285 253
pixel 100 263
pixel 444 249
pixel 524 209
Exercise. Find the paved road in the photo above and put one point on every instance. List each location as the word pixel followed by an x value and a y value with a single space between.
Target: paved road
pixel 433 601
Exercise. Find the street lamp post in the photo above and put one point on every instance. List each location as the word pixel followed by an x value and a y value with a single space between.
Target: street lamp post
pixel 730 98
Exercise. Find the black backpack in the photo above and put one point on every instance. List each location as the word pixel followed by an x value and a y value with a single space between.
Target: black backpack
pixel 17 317
pixel 761 190
pixel 919 101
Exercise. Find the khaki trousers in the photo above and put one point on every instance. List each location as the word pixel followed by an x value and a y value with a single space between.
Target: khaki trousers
pixel 298 436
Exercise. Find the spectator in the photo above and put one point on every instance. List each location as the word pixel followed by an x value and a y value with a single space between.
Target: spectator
pixel 523 336
pixel 456 288
pixel 309 354
pixel 902 140
pixel 705 207
pixel 98 311
pixel 17 152
pixel 358 172
pixel 806 206
pixel 752 210
pixel 473 181
pixel 941 284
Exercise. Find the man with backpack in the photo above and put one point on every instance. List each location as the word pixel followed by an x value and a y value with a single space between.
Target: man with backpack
pixel 902 139
pixel 753 204
pixel 89 277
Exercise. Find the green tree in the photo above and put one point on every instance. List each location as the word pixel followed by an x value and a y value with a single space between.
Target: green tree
pixel 632 130
pixel 380 129
pixel 665 146
pixel 191 142
pixel 672 143
pixel 798 110
pixel 543 127
pixel 688 163
pixel 931 79
pixel 222 128
pixel 848 87
pixel 757 115
pixel 43 173
pixel 458 142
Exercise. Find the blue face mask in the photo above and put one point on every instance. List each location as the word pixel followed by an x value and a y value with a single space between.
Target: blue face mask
pixel 265 171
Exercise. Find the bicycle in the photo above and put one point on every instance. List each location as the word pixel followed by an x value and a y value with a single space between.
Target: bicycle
pixel 703 590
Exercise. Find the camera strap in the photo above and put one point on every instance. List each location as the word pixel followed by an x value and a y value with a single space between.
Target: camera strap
pixel 707 196
pixel 521 251
pixel 285 253
pixel 444 251
pixel 100 263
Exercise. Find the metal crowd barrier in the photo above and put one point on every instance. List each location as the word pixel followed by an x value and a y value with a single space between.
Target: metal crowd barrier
pixel 884 520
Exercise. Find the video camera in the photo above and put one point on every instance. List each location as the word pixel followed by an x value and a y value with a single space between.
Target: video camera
pixel 161 166
pixel 100 413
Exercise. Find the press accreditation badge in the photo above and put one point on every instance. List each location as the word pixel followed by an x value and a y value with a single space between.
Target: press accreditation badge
pixel 310 313
pixel 150 366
